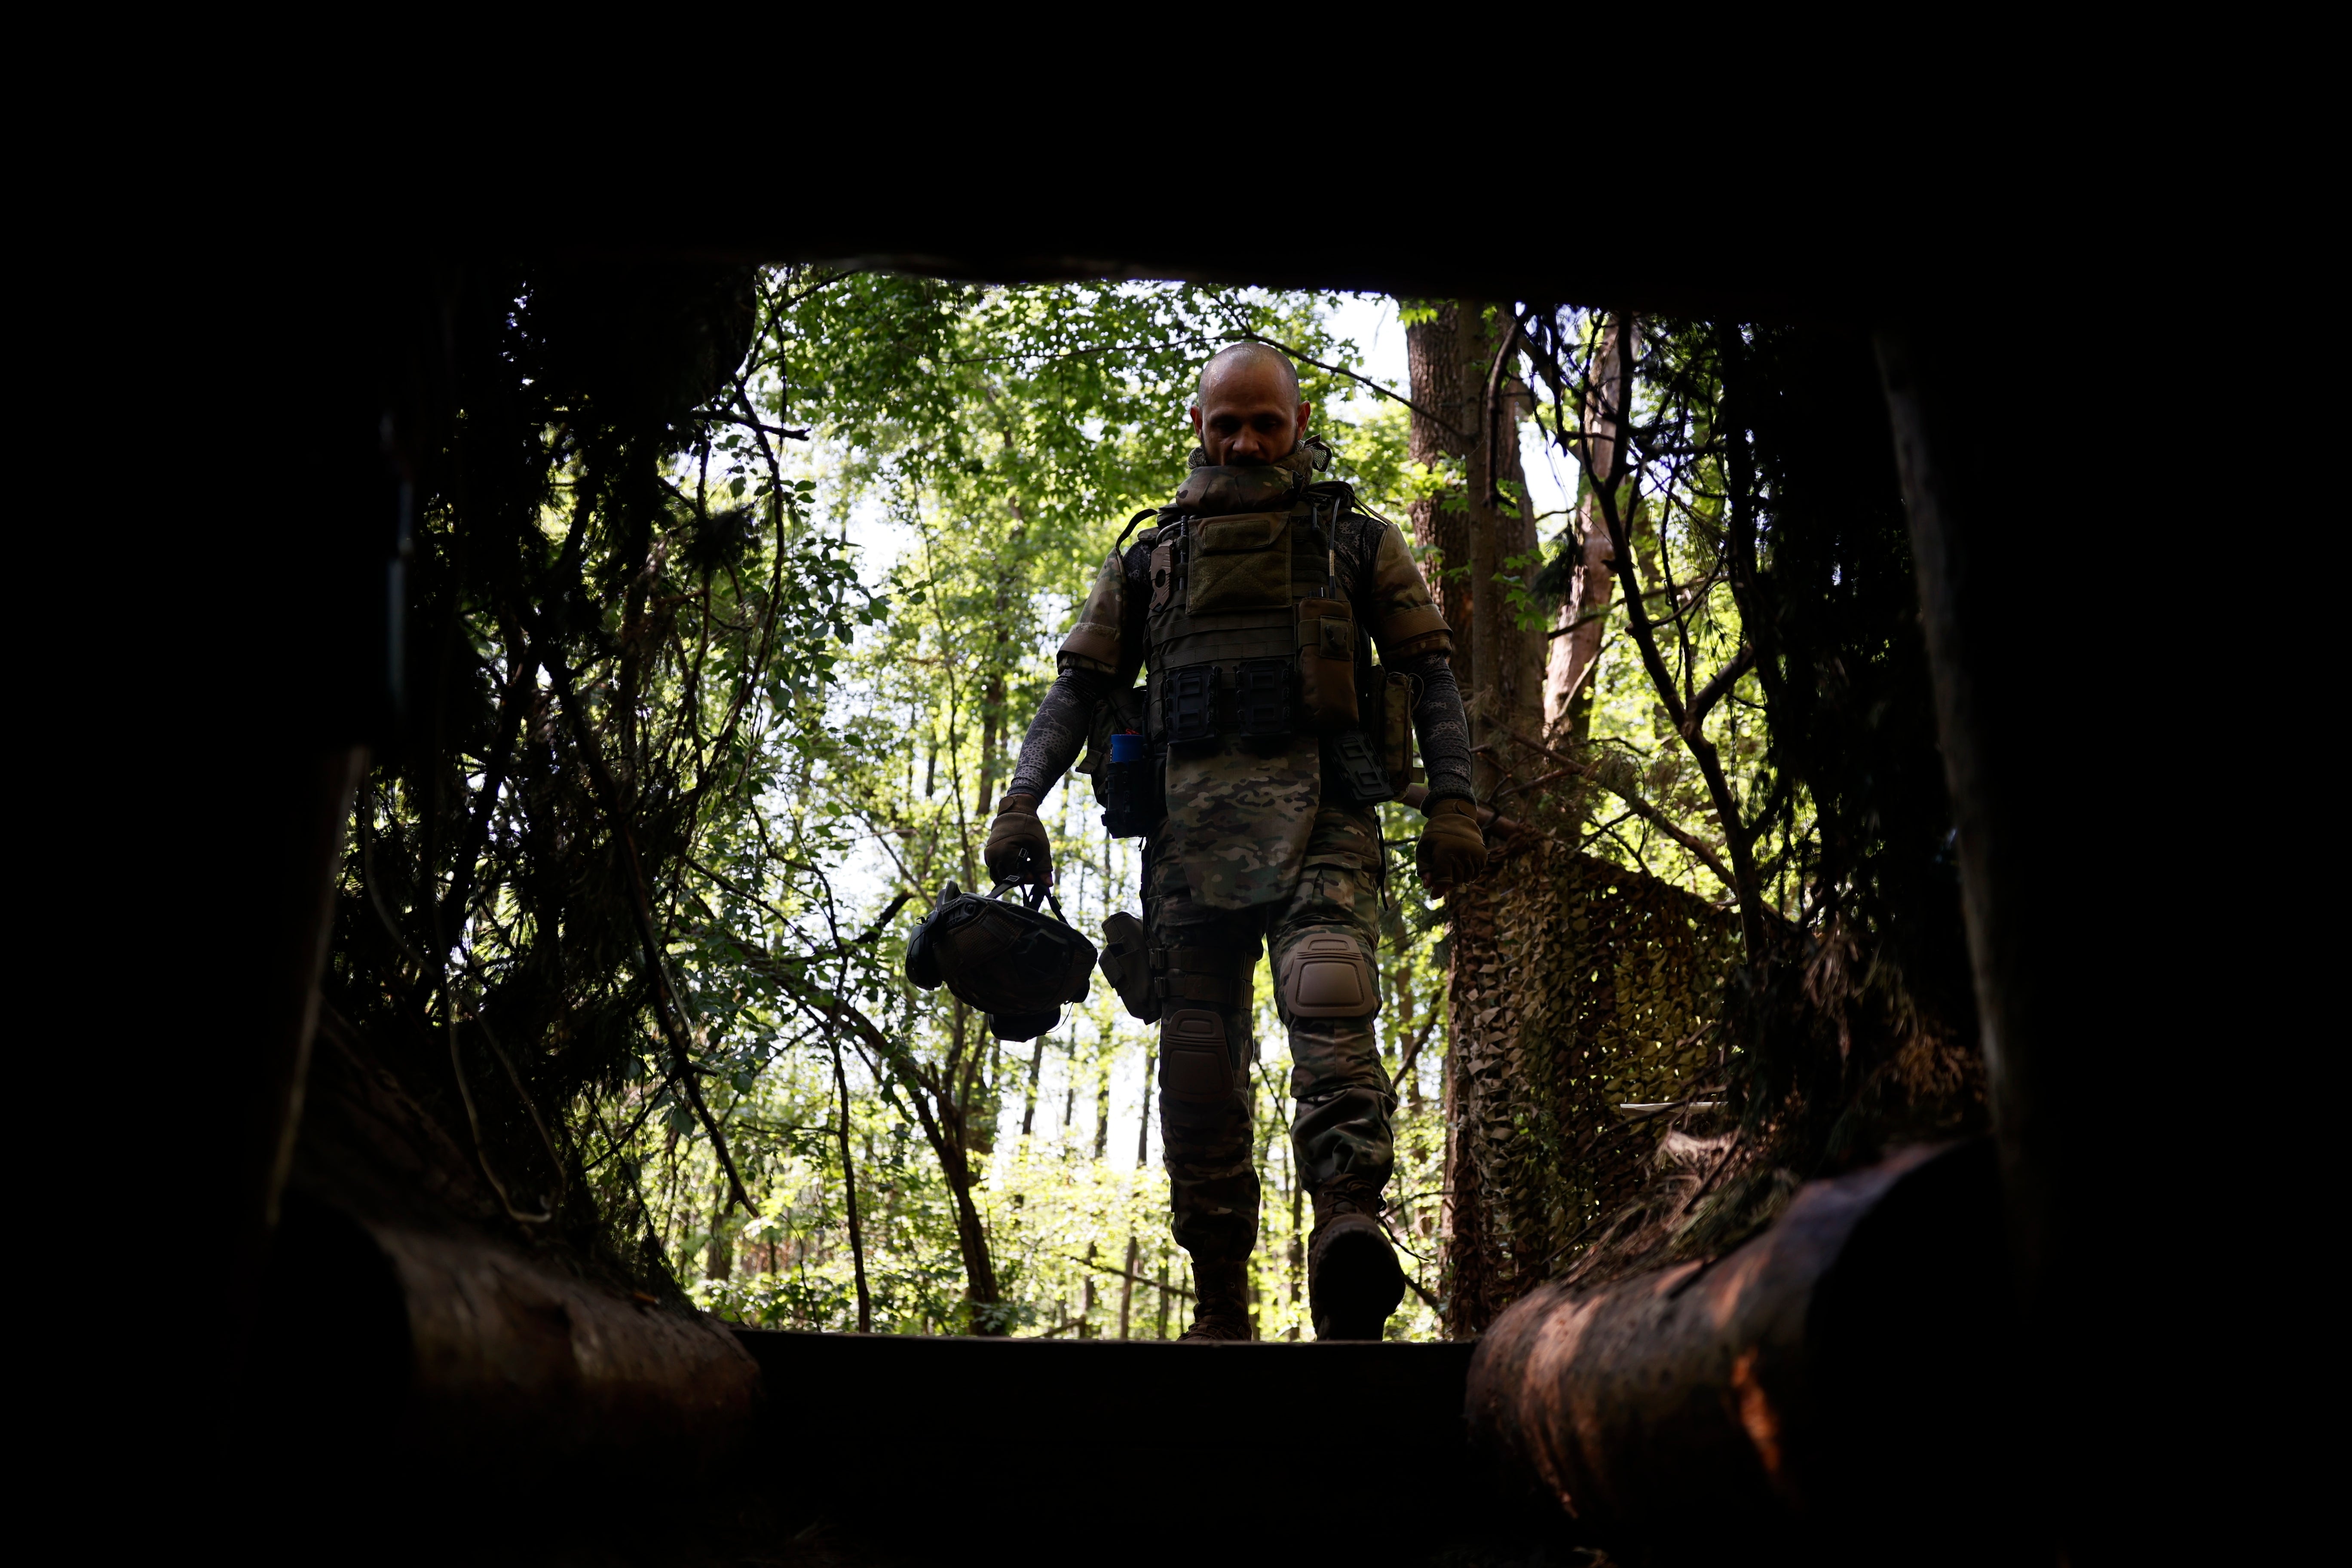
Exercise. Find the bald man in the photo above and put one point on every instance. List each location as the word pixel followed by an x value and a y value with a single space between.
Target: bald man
pixel 1264 734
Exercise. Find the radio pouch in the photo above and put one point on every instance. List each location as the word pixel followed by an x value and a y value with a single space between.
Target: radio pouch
pixel 1326 664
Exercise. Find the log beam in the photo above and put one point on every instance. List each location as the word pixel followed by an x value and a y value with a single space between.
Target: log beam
pixel 1829 1388
pixel 454 1353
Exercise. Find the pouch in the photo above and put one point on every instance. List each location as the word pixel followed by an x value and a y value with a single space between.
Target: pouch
pixel 1115 714
pixel 1129 788
pixel 1327 665
pixel 1127 964
pixel 1238 564
pixel 1351 766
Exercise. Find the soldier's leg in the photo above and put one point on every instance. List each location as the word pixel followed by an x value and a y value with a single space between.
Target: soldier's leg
pixel 1201 961
pixel 1326 944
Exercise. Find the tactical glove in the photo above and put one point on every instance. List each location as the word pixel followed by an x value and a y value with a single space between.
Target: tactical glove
pixel 1452 850
pixel 1018 849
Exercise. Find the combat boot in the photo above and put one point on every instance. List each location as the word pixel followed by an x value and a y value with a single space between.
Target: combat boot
pixel 1221 1308
pixel 1353 1282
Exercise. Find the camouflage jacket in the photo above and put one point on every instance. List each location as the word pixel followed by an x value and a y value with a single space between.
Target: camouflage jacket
pixel 1375 570
pixel 1234 805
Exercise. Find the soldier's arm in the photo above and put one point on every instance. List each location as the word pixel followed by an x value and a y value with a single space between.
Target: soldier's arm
pixel 1441 725
pixel 1099 657
pixel 1414 641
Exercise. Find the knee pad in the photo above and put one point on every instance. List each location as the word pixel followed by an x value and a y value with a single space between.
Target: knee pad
pixel 1196 1062
pixel 1328 974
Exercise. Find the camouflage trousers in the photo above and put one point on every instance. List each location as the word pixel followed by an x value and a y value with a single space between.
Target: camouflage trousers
pixel 1207 960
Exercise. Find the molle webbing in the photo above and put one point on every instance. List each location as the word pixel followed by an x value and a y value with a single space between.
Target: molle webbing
pixel 1211 641
pixel 1227 641
pixel 1200 702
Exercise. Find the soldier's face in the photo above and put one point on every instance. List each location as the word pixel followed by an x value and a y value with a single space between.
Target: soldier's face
pixel 1247 414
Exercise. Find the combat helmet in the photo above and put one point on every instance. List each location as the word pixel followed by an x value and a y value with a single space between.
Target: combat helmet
pixel 1011 960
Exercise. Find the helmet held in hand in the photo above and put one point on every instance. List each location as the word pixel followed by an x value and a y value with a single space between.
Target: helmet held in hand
pixel 1011 960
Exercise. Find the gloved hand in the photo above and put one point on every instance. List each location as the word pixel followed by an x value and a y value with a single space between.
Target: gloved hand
pixel 1452 850
pixel 1018 849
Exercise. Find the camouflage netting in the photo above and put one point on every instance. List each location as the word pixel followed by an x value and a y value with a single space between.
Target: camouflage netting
pixel 1603 989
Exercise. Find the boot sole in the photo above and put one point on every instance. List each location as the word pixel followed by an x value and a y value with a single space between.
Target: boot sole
pixel 1361 1286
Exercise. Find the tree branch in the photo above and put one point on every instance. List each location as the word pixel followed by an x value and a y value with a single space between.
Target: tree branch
pixel 1715 690
pixel 1639 807
pixel 714 417
pixel 1742 878
pixel 667 1007
pixel 1494 396
pixel 1412 1051
pixel 1389 392
pixel 1123 1274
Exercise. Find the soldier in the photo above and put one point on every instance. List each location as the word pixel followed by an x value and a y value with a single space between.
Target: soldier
pixel 1262 720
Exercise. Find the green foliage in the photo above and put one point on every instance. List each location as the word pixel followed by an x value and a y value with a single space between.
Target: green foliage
pixel 1761 507
pixel 1671 499
pixel 735 592
pixel 1043 419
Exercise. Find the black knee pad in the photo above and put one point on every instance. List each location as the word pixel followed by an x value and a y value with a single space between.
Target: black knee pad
pixel 1196 1059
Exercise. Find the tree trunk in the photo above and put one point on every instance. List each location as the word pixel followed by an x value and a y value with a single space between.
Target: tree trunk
pixel 1102 1097
pixel 1134 1247
pixel 992 711
pixel 718 1257
pixel 1143 1126
pixel 1469 1263
pixel 849 1199
pixel 1297 1248
pixel 1029 1104
pixel 1452 359
pixel 1582 618
pixel 971 1241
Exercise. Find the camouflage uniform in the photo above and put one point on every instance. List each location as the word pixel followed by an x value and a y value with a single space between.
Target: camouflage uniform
pixel 1257 850
pixel 1341 1130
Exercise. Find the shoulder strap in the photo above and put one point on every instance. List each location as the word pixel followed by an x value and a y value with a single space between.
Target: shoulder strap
pixel 1370 535
pixel 1138 517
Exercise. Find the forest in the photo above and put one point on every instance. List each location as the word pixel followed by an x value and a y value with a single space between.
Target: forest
pixel 724 659
pixel 728 592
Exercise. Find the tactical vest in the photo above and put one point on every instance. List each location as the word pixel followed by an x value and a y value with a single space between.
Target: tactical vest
pixel 1249 632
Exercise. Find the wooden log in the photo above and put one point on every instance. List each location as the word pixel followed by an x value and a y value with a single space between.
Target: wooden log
pixel 1827 1389
pixel 455 1351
